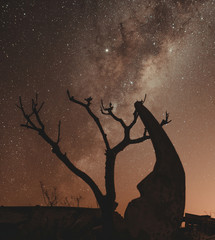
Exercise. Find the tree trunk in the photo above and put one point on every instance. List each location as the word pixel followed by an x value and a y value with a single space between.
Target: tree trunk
pixel 109 200
pixel 107 223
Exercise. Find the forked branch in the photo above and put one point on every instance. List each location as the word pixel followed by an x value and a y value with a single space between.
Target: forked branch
pixel 166 120
pixel 145 135
pixel 29 123
pixel 109 111
pixel 141 139
pixel 95 118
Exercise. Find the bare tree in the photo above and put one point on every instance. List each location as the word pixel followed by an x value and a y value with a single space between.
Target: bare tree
pixel 66 202
pixel 78 200
pixel 50 197
pixel 70 201
pixel 105 201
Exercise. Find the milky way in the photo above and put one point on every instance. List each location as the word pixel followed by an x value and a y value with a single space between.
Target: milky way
pixel 117 51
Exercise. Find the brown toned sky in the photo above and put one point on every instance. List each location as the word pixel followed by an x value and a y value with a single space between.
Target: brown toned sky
pixel 117 51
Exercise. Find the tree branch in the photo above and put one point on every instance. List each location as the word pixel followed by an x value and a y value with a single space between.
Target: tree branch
pixel 56 149
pixel 108 111
pixel 36 113
pixel 134 121
pixel 127 141
pixel 145 136
pixel 27 126
pixel 26 116
pixel 58 136
pixel 141 139
pixel 142 101
pixel 96 119
pixel 166 120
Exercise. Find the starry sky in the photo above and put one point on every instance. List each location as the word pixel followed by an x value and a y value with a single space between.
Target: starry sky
pixel 118 51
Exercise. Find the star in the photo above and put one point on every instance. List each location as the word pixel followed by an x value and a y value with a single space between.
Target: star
pixel 117 51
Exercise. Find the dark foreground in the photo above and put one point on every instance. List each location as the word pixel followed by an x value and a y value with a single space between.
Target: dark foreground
pixel 52 223
pixel 70 223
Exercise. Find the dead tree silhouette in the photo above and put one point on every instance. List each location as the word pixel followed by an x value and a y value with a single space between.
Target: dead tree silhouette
pixel 50 196
pixel 106 201
pixel 160 208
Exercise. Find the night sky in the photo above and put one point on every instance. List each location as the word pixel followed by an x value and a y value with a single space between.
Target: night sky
pixel 118 51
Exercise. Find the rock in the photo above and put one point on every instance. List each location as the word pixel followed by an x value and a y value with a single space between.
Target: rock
pixel 158 212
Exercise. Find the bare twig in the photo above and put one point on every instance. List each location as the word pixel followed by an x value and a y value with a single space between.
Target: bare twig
pixel 141 139
pixel 88 100
pixel 40 107
pixel 36 113
pixel 27 116
pixel 78 199
pixel 109 111
pixel 142 101
pixel 166 120
pixel 27 126
pixel 134 121
pixel 58 136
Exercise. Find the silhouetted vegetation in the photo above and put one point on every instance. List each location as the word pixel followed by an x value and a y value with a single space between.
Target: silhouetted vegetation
pixel 50 197
pixel 105 201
